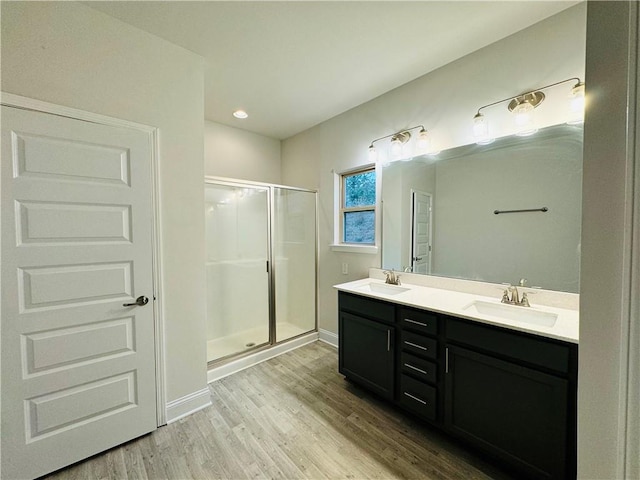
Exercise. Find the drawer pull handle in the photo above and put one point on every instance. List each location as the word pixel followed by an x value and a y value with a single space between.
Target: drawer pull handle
pixel 415 398
pixel 446 368
pixel 415 368
pixel 388 340
pixel 415 345
pixel 417 323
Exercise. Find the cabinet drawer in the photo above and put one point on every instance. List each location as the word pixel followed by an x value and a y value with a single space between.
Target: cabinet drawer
pixel 418 367
pixel 526 348
pixel 366 307
pixel 414 343
pixel 418 397
pixel 419 321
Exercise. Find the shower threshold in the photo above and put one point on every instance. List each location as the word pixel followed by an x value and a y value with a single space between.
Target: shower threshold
pixel 226 366
pixel 227 347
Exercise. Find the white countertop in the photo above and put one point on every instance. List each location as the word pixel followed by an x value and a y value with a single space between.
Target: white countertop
pixel 458 304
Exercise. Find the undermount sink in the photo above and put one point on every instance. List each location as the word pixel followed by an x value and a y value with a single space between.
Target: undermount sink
pixel 512 313
pixel 384 288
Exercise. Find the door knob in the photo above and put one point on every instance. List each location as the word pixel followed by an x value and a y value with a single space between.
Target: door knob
pixel 140 301
pixel 417 259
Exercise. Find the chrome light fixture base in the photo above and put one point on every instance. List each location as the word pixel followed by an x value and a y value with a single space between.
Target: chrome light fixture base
pixel 532 98
pixel 402 137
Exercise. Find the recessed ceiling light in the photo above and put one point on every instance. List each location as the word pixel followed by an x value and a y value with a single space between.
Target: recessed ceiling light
pixel 240 114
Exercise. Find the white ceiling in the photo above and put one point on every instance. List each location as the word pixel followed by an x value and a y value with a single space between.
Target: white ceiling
pixel 292 65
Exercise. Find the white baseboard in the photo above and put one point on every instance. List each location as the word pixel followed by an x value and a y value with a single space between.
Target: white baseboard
pixel 234 366
pixel 188 404
pixel 328 337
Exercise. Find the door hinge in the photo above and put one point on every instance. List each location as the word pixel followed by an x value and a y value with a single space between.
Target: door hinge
pixel 267 266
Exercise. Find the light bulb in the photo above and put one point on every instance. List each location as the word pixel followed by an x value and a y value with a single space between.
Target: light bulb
pixel 524 119
pixel 423 142
pixel 481 129
pixel 373 154
pixel 576 105
pixel 395 148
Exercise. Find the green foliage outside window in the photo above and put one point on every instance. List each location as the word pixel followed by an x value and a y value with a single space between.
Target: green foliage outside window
pixel 358 207
pixel 360 189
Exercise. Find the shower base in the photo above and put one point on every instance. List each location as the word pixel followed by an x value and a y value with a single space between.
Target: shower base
pixel 245 340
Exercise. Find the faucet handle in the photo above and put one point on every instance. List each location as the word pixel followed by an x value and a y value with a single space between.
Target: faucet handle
pixel 391 276
pixel 505 296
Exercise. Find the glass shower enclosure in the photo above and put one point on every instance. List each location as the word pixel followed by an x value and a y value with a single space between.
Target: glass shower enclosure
pixel 261 251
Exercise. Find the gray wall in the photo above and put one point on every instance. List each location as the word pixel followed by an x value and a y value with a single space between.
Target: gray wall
pixel 69 54
pixel 609 370
pixel 234 153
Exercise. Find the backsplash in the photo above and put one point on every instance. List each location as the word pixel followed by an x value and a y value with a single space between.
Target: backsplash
pixel 537 296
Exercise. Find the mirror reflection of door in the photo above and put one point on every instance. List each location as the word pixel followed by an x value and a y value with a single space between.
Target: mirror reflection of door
pixel 420 232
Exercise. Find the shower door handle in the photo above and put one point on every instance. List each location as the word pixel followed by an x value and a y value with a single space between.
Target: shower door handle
pixel 141 301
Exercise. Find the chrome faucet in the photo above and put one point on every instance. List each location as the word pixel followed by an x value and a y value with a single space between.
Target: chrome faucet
pixel 392 277
pixel 515 297
pixel 511 296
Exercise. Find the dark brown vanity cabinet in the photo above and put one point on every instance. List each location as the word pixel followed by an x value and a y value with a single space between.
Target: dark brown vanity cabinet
pixel 366 334
pixel 513 395
pixel 509 394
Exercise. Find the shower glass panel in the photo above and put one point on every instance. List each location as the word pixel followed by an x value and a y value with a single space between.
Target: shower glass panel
pixel 294 241
pixel 237 248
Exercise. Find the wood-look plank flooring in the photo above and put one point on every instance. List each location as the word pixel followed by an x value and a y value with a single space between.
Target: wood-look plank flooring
pixel 292 417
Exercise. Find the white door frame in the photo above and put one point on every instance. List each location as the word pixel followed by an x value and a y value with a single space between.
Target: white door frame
pixel 17 101
pixel 411 221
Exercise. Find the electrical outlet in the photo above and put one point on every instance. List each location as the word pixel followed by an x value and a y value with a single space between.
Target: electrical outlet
pixel 345 268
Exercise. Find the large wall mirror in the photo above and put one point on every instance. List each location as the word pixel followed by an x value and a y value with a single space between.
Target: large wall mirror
pixel 494 213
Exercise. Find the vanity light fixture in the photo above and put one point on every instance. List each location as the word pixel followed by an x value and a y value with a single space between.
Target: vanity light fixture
pixel 423 141
pixel 523 106
pixel 240 114
pixel 576 104
pixel 424 144
pixel 481 129
pixel 398 144
pixel 373 153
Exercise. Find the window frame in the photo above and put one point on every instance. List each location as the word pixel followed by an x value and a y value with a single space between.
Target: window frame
pixel 342 208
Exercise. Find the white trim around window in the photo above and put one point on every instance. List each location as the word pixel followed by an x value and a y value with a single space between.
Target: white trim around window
pixel 338 245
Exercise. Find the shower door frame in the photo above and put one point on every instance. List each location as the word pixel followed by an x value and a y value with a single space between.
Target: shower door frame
pixel 271 279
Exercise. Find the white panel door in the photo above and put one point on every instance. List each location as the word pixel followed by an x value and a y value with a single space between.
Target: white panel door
pixel 421 228
pixel 78 367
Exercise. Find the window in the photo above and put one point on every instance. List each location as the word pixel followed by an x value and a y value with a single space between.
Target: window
pixel 358 207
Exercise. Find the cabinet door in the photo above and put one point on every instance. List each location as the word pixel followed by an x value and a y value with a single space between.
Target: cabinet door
pixel 366 353
pixel 516 413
